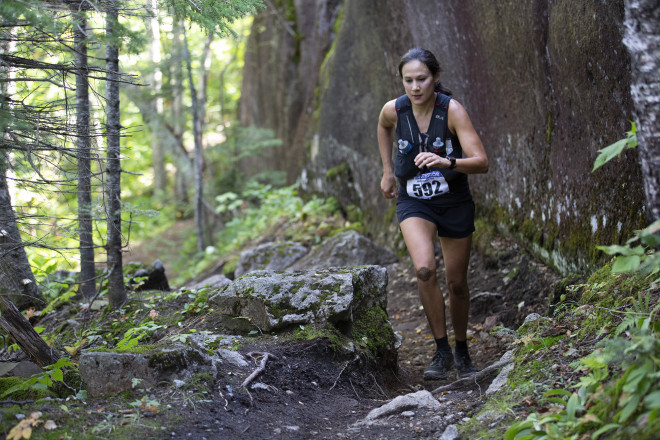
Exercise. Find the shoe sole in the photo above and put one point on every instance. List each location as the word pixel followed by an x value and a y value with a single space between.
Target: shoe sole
pixel 432 376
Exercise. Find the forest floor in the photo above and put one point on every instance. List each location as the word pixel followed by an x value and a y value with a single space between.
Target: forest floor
pixel 309 392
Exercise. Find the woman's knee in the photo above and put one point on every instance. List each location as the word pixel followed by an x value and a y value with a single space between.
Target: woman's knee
pixel 458 287
pixel 425 274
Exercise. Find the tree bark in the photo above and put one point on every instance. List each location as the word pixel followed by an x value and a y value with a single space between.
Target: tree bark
pixel 156 80
pixel 197 135
pixel 17 281
pixel 87 265
pixel 21 331
pixel 642 38
pixel 116 288
pixel 181 177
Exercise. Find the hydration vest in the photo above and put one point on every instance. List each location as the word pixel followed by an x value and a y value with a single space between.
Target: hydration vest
pixel 438 140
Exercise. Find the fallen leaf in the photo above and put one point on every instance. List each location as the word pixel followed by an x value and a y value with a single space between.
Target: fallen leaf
pixel 50 425
pixel 153 314
pixel 22 430
pixel 71 350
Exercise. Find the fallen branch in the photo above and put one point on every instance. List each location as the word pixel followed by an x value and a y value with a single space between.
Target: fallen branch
pixel 475 377
pixel 357 357
pixel 260 368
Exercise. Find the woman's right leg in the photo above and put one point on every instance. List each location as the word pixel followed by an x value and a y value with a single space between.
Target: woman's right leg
pixel 420 236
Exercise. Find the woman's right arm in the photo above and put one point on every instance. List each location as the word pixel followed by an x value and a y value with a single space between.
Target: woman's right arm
pixel 386 124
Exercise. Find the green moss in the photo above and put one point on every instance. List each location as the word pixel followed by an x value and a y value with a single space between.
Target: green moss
pixel 341 171
pixel 372 331
pixel 8 382
pixel 329 332
pixel 229 267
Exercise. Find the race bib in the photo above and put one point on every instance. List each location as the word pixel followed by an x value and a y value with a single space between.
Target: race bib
pixel 427 185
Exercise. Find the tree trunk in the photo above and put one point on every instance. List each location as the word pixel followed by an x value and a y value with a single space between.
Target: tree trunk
pixel 21 331
pixel 156 81
pixel 642 38
pixel 87 266
pixel 17 281
pixel 116 289
pixel 181 177
pixel 197 135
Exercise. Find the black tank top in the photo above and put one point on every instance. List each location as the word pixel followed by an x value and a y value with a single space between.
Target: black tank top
pixel 436 186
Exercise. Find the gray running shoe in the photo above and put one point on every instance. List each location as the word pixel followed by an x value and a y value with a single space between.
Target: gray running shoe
pixel 441 363
pixel 464 365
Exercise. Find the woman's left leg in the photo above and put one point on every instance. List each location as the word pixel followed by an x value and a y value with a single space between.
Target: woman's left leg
pixel 456 255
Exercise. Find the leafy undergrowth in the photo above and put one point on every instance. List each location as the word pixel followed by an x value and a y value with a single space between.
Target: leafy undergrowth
pixel 53 404
pixel 589 371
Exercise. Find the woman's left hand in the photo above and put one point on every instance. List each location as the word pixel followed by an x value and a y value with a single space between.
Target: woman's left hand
pixel 431 160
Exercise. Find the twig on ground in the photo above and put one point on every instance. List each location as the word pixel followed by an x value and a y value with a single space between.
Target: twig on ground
pixel 16 402
pixel 356 394
pixel 475 377
pixel 260 368
pixel 356 358
pixel 381 390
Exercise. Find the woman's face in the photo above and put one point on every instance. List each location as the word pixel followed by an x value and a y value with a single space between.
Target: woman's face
pixel 418 81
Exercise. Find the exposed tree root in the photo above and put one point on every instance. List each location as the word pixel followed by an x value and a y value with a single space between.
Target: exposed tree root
pixel 474 378
pixel 260 368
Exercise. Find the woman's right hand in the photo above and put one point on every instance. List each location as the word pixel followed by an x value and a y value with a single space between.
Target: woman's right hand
pixel 388 186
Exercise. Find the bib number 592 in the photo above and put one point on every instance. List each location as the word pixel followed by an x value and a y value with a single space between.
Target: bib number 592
pixel 428 185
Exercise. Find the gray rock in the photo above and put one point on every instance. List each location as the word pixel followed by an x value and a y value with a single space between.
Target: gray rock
pixel 217 281
pixel 106 372
pixel 450 433
pixel 275 300
pixel 270 256
pixel 419 400
pixel 19 369
pixel 353 299
pixel 500 380
pixel 345 249
pixel 232 357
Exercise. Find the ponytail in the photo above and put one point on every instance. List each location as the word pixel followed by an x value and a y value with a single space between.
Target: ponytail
pixel 442 89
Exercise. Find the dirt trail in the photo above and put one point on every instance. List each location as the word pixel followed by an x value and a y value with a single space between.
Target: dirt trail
pixel 309 393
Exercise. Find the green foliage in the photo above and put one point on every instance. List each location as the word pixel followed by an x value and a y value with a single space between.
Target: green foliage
pixel 134 335
pixel 213 16
pixel 610 152
pixel 639 254
pixel 42 381
pixel 618 397
pixel 256 209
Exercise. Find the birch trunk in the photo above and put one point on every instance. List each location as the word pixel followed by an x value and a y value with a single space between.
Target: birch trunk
pixel 116 288
pixel 642 38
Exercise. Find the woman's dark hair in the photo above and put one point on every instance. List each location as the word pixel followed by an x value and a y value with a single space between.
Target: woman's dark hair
pixel 431 62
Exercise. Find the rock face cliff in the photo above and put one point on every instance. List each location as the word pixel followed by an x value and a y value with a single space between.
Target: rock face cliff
pixel 546 83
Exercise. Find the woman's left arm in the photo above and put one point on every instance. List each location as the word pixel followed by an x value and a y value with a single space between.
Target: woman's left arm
pixel 474 156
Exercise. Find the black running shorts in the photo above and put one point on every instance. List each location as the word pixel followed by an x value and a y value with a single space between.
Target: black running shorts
pixel 451 221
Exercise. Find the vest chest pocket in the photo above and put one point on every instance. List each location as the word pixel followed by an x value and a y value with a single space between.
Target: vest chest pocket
pixel 427 185
pixel 404 164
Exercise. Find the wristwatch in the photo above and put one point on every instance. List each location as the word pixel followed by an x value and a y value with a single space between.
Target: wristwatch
pixel 452 165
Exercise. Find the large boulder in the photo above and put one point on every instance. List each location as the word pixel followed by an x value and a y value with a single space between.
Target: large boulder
pixel 348 248
pixel 353 300
pixel 270 256
pixel 105 372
